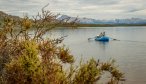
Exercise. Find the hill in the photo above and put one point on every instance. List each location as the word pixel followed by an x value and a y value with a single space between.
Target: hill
pixel 84 22
pixel 130 21
pixel 2 15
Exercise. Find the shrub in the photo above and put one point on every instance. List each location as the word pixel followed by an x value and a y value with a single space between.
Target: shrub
pixel 32 59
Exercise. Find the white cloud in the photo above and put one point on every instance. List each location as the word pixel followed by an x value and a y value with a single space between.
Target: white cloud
pixel 89 7
pixel 102 9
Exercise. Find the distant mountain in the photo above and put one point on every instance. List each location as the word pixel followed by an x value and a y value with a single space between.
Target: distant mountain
pixel 3 15
pixel 94 21
pixel 67 18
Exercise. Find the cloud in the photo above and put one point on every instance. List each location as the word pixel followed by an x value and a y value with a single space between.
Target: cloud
pixel 21 7
pixel 103 9
pixel 99 2
pixel 134 10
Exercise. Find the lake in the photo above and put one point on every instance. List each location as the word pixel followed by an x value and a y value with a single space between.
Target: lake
pixel 129 50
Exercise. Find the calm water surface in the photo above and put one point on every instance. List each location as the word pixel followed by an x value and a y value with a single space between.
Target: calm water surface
pixel 129 52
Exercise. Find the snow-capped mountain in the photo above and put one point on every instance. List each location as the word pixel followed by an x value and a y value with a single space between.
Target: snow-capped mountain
pixel 94 21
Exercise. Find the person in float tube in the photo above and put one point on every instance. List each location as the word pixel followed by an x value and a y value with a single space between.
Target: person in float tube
pixel 101 34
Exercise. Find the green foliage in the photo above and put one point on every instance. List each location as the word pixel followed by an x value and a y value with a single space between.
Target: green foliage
pixel 65 56
pixel 116 75
pixel 87 73
pixel 92 71
pixel 32 59
pixel 25 68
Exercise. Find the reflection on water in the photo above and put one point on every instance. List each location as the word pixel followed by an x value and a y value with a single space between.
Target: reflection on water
pixel 102 45
pixel 129 51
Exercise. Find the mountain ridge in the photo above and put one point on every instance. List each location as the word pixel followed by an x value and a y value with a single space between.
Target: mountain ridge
pixel 3 15
pixel 96 21
pixel 85 20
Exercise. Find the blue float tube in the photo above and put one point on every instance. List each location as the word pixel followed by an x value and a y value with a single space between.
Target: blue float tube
pixel 103 38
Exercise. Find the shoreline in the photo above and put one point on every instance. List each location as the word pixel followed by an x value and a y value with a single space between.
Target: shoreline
pixel 101 25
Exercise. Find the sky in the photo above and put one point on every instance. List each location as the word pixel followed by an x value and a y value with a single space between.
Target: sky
pixel 96 9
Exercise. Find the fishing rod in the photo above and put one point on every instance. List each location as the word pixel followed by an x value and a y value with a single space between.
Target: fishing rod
pixel 108 37
pixel 91 38
pixel 127 40
pixel 114 39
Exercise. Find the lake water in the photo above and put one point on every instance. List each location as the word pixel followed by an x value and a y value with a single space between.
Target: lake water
pixel 129 52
